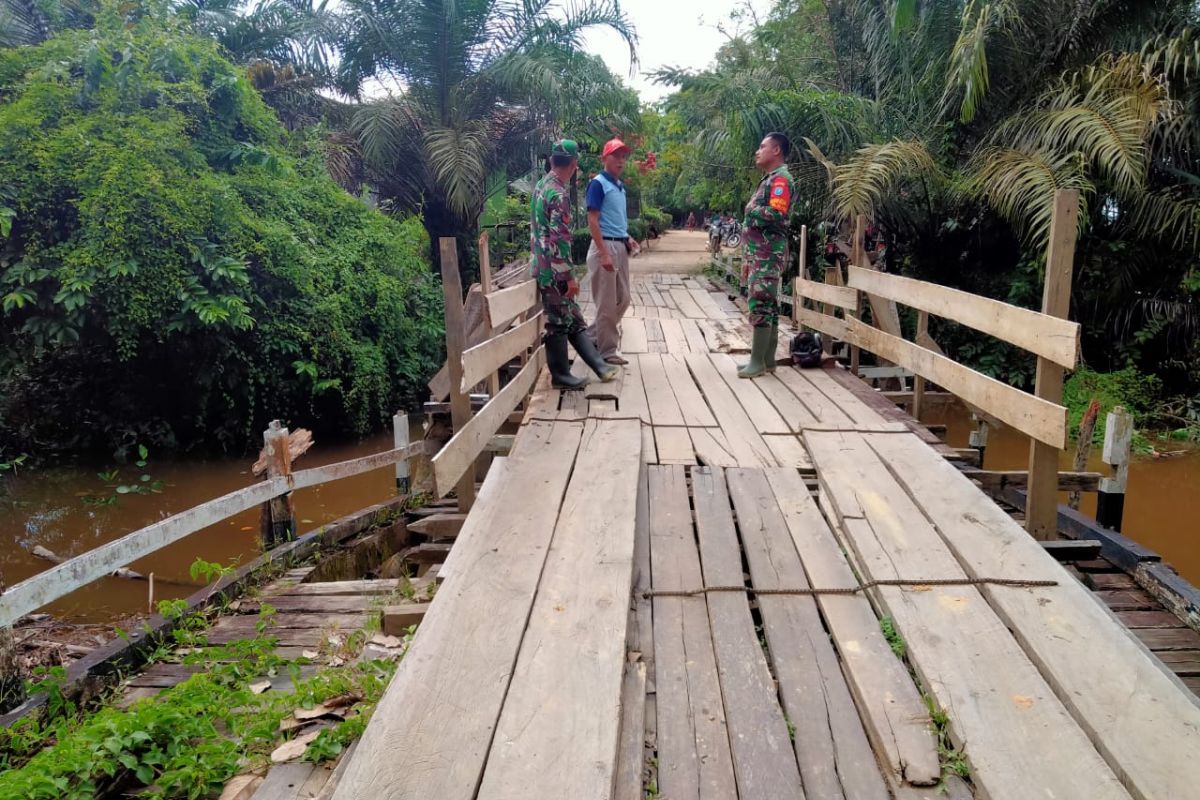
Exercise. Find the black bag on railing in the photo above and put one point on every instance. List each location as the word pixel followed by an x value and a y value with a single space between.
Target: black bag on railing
pixel 806 349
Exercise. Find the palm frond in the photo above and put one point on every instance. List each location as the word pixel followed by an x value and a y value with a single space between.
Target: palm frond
pixel 861 184
pixel 1019 184
pixel 458 160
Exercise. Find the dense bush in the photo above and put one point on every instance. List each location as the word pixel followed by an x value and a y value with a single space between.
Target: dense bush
pixel 581 240
pixel 638 229
pixel 170 272
pixel 660 218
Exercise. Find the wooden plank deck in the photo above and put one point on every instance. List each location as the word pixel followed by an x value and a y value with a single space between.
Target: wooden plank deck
pixel 542 667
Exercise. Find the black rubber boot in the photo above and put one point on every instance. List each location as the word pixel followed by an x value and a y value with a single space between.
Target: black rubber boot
pixel 587 351
pixel 559 366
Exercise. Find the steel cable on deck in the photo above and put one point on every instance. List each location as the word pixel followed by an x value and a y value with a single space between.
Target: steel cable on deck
pixel 1010 582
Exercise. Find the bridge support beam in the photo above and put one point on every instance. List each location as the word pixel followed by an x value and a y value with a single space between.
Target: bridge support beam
pixel 1041 508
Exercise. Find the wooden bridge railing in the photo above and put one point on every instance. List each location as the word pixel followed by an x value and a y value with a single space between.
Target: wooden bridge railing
pixel 1047 334
pixel 513 332
pixel 452 465
pixel 61 579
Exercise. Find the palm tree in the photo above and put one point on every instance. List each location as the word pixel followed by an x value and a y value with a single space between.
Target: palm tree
pixel 473 86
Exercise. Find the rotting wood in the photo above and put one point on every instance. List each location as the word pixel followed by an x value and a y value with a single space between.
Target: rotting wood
pixel 997 480
pixel 630 756
pixel 438 526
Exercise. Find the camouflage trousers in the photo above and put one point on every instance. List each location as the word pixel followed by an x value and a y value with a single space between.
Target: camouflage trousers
pixel 763 293
pixel 562 313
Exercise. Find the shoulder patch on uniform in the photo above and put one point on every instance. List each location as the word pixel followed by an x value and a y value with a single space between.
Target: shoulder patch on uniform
pixel 780 194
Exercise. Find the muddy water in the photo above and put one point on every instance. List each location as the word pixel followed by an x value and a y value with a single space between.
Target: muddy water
pixel 45 507
pixel 1162 501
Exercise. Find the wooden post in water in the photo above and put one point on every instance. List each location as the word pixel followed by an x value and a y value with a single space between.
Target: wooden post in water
pixel 1041 507
pixel 460 402
pixel 1118 439
pixel 280 523
pixel 400 439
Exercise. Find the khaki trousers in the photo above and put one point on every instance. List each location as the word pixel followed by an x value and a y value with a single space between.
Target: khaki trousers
pixel 610 293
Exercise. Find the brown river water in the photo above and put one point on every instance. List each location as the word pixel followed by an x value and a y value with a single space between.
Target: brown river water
pixel 1162 498
pixel 45 507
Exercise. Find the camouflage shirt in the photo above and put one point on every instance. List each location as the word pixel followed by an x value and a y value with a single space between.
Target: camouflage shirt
pixel 767 214
pixel 550 231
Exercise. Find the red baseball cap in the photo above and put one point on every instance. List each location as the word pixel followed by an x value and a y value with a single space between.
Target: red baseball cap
pixel 614 146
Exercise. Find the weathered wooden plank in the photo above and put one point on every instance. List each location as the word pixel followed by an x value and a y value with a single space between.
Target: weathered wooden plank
pixel 654 332
pixel 764 416
pixel 696 413
pixel 504 306
pixel 284 781
pixel 818 404
pixel 707 305
pixel 742 438
pixel 674 336
pixel 463 655
pixel 1040 419
pixel 1091 661
pixel 438 526
pixel 894 715
pixel 1172 639
pixel 763 762
pixel 459 454
pixel 664 408
pixel 828 294
pixel 633 336
pixel 848 403
pixel 373 587
pixel 1018 734
pixel 561 719
pixel 1148 619
pixel 788 451
pixel 695 337
pixel 674 446
pixel 495 486
pixel 686 304
pixel 712 448
pixel 694 759
pixel 484 359
pixel 794 413
pixel 630 755
pixel 998 480
pixel 1042 334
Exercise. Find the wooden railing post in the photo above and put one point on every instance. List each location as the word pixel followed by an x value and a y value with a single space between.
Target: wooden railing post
pixel 918 381
pixel 1118 439
pixel 400 439
pixel 280 523
pixel 802 271
pixel 460 402
pixel 485 283
pixel 1041 507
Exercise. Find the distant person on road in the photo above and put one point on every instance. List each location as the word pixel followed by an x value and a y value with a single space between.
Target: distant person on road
pixel 691 221
pixel 550 265
pixel 608 255
pixel 766 232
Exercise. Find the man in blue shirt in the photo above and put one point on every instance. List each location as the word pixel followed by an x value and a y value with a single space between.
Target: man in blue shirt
pixel 608 255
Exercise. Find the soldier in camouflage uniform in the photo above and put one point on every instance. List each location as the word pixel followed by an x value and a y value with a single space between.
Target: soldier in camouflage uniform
pixel 766 253
pixel 550 266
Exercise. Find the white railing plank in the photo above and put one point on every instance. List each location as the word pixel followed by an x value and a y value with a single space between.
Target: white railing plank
pixel 484 359
pixel 504 306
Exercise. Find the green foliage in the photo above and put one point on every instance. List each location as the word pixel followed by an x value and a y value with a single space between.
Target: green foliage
pixel 187 741
pixel 581 240
pixel 893 637
pixel 638 229
pixel 1139 394
pixel 171 272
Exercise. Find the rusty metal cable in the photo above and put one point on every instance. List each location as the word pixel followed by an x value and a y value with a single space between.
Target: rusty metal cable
pixel 1010 582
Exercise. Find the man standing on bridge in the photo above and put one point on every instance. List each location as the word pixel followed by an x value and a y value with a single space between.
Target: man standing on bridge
pixel 608 255
pixel 550 265
pixel 766 255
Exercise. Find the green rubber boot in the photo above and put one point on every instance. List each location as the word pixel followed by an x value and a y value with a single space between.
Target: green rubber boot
pixel 772 346
pixel 758 354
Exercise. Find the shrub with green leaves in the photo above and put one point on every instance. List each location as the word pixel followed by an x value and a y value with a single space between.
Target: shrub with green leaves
pixel 174 269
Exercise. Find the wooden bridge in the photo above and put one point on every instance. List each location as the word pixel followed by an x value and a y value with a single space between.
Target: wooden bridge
pixel 683 585
pixel 568 653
